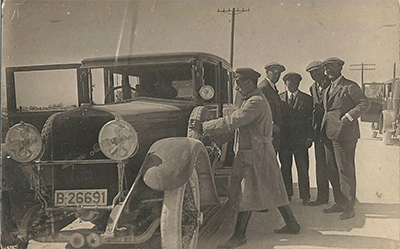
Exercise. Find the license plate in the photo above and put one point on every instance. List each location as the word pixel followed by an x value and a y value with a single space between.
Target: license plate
pixel 82 197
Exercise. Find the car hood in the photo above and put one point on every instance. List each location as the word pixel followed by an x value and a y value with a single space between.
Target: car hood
pixel 144 110
pixel 152 119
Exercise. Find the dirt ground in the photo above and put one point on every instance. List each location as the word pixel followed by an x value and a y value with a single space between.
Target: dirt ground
pixel 376 224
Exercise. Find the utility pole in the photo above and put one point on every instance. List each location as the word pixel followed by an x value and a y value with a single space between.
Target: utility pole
pixel 233 12
pixel 364 67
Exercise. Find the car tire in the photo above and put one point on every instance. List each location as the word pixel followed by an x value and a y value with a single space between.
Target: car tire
pixel 386 137
pixel 179 216
pixel 198 116
pixel 20 245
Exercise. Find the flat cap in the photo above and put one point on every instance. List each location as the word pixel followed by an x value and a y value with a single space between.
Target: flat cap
pixel 314 65
pixel 292 75
pixel 247 73
pixel 275 65
pixel 331 60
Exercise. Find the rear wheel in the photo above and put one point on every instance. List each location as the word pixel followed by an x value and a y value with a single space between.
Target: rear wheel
pixel 386 137
pixel 180 216
pixel 374 130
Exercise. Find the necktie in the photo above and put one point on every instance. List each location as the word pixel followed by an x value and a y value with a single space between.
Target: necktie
pixel 320 89
pixel 331 88
pixel 291 100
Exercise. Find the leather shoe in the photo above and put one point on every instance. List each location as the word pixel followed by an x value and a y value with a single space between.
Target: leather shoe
pixel 306 202
pixel 347 214
pixel 235 241
pixel 290 228
pixel 289 198
pixel 336 208
pixel 317 203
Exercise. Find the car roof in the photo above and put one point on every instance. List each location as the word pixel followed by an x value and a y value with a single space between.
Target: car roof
pixel 141 59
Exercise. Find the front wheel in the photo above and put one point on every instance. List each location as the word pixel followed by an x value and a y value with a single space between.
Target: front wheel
pixel 180 216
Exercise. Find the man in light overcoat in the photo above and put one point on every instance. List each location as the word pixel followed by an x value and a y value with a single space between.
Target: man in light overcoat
pixel 256 178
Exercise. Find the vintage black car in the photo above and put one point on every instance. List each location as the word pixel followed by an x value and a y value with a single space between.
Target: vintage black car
pixel 117 153
pixel 384 112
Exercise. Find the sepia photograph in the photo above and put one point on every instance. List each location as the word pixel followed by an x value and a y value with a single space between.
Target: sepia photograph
pixel 200 124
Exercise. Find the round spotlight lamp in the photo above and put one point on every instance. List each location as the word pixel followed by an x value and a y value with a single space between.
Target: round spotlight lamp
pixel 206 92
pixel 118 140
pixel 23 142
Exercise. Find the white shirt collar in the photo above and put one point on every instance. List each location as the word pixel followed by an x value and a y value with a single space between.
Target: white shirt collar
pixel 294 94
pixel 272 84
pixel 337 80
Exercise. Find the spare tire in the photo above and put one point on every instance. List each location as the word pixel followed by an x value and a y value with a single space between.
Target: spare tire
pixel 199 115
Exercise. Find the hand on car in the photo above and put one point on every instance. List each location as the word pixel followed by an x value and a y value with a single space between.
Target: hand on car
pixel 196 125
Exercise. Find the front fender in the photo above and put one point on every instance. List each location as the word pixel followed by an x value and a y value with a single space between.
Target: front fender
pixel 169 162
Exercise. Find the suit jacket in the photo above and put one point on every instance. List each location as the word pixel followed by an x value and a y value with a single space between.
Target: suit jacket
pixel 296 120
pixel 273 100
pixel 318 108
pixel 346 97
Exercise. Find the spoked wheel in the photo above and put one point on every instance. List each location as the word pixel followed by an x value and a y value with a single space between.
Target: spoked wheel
pixel 180 216
pixel 20 245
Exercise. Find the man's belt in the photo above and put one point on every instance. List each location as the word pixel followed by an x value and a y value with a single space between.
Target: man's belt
pixel 264 139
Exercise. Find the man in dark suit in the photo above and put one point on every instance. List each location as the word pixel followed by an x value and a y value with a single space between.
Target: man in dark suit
pixel 321 83
pixel 296 135
pixel 344 103
pixel 273 72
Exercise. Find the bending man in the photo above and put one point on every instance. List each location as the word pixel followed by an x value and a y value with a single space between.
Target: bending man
pixel 257 182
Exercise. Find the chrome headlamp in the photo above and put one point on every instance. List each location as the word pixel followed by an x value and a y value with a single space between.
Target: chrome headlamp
pixel 118 140
pixel 23 142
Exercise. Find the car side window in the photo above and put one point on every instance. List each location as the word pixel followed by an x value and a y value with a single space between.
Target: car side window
pixel 51 90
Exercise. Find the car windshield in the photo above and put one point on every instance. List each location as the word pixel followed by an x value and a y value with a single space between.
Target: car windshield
pixel 158 81
pixel 374 90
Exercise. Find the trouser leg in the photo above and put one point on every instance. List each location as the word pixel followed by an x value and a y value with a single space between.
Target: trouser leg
pixel 333 172
pixel 242 222
pixel 239 236
pixel 302 166
pixel 291 227
pixel 285 157
pixel 321 172
pixel 287 214
pixel 344 155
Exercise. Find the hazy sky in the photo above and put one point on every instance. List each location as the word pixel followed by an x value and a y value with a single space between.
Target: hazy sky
pixel 293 33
